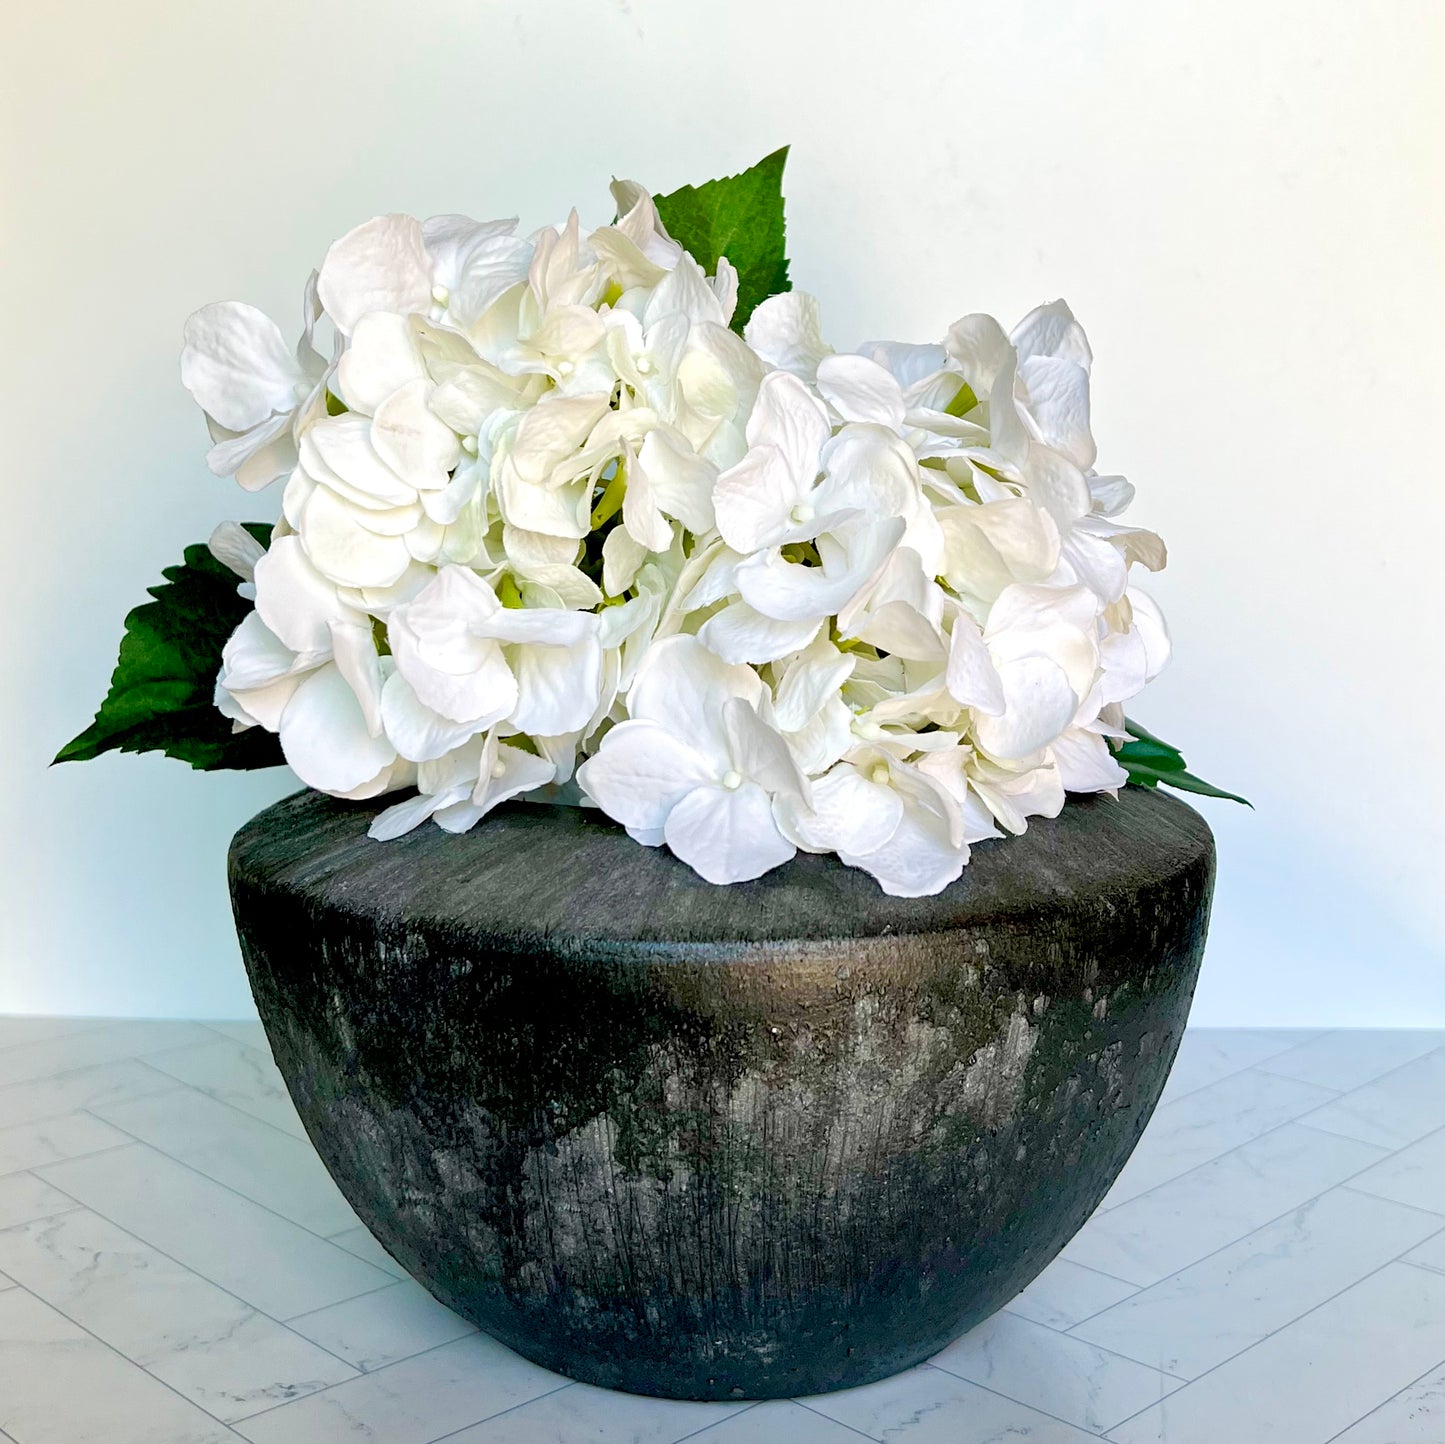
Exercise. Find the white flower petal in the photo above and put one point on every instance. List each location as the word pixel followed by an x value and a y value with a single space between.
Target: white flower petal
pixel 236 549
pixel 759 753
pixel 403 817
pixel 340 450
pixel 1151 626
pixel 1038 705
pixel 919 860
pixel 556 686
pixel 1052 331
pixel 380 266
pixel 861 390
pixel 808 680
pixel 740 633
pixel 237 365
pixel 682 686
pixel 1058 401
pixel 325 738
pixel 849 814
pixel 513 771
pixel 383 357
pixel 640 772
pixel 682 482
pixel 1085 762
pixel 353 647
pixel 786 331
pixel 414 729
pixel 414 443
pixel 295 600
pixel 971 677
pixel 727 835
pixel 343 550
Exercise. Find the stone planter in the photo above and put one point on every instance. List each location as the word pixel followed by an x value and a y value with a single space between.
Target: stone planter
pixel 720 1143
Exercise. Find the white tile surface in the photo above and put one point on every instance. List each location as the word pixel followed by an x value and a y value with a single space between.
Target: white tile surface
pixel 600 1416
pixel 928 1406
pixel 1394 1110
pixel 1066 1294
pixel 48 1057
pixel 272 1168
pixel 229 1071
pixel 1316 1376
pixel 55 1097
pixel 1415 1175
pixel 1430 1254
pixel 1346 1059
pixel 24 1197
pixel 37 1030
pixel 1208 1122
pixel 207 1345
pixel 1208 1054
pixel 1187 1219
pixel 778 1422
pixel 1416 1415
pixel 359 1241
pixel 1215 1309
pixel 413 1402
pixel 1063 1376
pixel 379 1328
pixel 58 1385
pixel 270 1262
pixel 52 1139
pixel 250 1032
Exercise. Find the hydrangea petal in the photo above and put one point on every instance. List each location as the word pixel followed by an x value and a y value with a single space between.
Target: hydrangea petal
pixel 727 834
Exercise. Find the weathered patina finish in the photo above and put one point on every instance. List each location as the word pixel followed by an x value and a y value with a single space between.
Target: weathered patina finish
pixel 720 1143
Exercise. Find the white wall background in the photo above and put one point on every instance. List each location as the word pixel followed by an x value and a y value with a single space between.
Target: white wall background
pixel 1245 203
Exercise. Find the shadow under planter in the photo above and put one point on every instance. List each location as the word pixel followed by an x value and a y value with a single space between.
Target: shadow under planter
pixel 717 1143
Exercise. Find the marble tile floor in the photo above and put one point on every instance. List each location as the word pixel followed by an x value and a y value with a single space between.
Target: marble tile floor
pixel 177 1268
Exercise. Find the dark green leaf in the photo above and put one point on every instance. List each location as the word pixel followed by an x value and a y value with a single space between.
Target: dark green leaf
pixel 160 697
pixel 1149 761
pixel 740 217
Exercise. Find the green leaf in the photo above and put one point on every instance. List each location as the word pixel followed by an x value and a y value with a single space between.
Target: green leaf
pixel 161 695
pixel 740 217
pixel 1149 760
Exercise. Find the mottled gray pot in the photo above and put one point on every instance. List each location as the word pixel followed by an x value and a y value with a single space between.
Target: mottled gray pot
pixel 720 1143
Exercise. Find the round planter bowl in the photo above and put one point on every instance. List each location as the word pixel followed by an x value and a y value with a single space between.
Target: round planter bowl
pixel 720 1143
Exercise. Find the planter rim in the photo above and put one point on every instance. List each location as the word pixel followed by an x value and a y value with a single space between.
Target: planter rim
pixel 569 874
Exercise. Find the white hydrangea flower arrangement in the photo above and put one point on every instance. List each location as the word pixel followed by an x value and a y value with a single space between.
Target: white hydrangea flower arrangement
pixel 602 518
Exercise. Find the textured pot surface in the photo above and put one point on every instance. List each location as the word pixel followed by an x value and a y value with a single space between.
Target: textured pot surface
pixel 743 1142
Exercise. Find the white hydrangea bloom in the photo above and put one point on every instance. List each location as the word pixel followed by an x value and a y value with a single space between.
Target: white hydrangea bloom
pixel 546 517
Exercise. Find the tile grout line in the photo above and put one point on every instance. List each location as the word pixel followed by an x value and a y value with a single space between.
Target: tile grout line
pixel 235 1193
pixel 862 1434
pixel 111 1349
pixel 396 1363
pixel 1023 1404
pixel 1413 1382
pixel 746 1408
pixel 1364 1278
pixel 196 1273
pixel 41 1079
pixel 1343 1093
pixel 1269 1223
pixel 1380 1198
pixel 452 1433
pixel 1315 1036
pixel 1100 1348
pixel 1228 1152
pixel 391 1279
pixel 51 1162
pixel 181 1083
